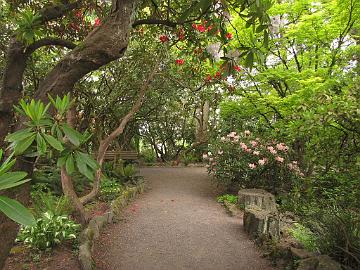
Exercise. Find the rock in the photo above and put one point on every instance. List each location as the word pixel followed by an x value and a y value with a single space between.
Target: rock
pixel 321 262
pixel 257 197
pixel 301 253
pixel 109 216
pixel 255 221
pixel 93 226
pixel 85 258
pixel 308 264
pixel 326 263
pixel 231 208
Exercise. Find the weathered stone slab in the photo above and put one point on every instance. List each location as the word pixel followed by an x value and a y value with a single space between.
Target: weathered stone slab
pixel 259 222
pixel 257 197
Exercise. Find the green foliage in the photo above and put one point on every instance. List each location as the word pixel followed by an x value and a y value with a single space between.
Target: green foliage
pixel 109 189
pixel 227 197
pixel 127 172
pixel 49 179
pixel 48 202
pixel 28 26
pixel 148 155
pixel 50 230
pixel 12 208
pixel 305 236
pixel 189 158
pixel 337 233
pixel 53 133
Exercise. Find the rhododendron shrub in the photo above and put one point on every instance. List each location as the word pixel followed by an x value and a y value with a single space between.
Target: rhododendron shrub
pixel 242 160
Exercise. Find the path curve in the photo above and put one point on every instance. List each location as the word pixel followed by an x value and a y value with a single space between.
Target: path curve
pixel 177 224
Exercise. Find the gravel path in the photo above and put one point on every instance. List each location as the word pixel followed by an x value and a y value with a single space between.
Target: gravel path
pixel 177 224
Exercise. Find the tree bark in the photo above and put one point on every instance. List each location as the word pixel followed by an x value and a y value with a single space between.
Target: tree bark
pixel 69 191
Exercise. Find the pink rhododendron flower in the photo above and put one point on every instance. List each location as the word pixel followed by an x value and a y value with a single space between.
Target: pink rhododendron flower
pixel 211 159
pixel 281 147
pixel 280 159
pixel 272 150
pixel 262 161
pixel 243 146
pixel 205 156
pixel 247 132
pixel 252 166
pixel 256 153
pixel 223 139
pixel 236 138
pixel 254 143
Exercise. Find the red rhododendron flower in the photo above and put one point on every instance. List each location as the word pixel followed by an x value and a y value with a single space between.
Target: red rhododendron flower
pixel 164 38
pixel 194 25
pixel 237 68
pixel 228 35
pixel 201 28
pixel 208 78
pixel 210 27
pixel 217 75
pixel 97 22
pixel 180 61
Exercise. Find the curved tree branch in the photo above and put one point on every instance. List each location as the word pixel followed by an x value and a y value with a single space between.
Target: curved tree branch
pixel 48 42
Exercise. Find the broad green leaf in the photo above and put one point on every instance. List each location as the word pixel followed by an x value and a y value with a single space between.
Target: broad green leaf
pixel 54 142
pixel 19 135
pixel 73 136
pixel 69 165
pixel 22 145
pixel 7 165
pixel 61 161
pixel 16 211
pixel 82 167
pixel 249 59
pixel 12 179
pixel 88 160
pixel 41 144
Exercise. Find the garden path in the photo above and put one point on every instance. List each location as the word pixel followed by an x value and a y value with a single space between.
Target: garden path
pixel 177 224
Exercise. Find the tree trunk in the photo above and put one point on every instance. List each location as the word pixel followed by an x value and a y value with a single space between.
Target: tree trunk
pixel 10 91
pixel 104 144
pixel 69 191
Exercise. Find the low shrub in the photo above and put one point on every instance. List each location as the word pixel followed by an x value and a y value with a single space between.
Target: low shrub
pixel 227 197
pixel 109 189
pixel 305 236
pixel 48 202
pixel 148 155
pixel 50 230
pixel 243 161
pixel 337 233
